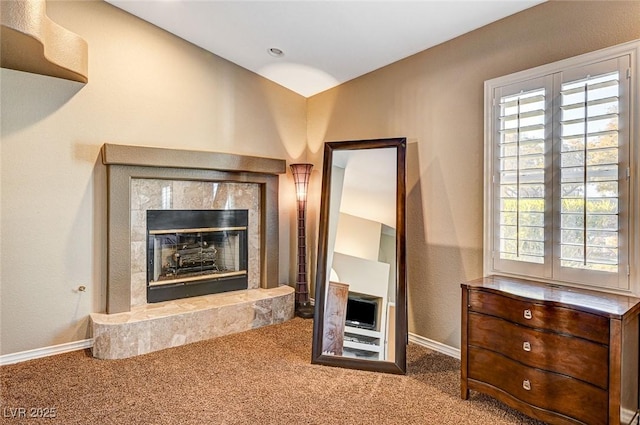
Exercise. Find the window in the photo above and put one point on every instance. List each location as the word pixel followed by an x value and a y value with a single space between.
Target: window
pixel 559 155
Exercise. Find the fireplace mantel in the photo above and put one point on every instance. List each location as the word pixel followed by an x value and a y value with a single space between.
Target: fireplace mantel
pixel 144 156
pixel 125 163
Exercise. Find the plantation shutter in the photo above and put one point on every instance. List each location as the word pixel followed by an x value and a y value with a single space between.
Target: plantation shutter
pixel 592 151
pixel 521 167
pixel 560 175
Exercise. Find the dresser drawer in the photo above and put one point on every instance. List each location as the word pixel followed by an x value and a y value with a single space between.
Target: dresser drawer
pixel 550 391
pixel 579 358
pixel 541 316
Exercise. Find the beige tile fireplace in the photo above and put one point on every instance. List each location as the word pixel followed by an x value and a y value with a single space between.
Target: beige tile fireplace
pixel 142 179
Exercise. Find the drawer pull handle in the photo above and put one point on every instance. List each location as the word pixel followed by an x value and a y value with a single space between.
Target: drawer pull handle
pixel 527 314
pixel 526 384
pixel 526 346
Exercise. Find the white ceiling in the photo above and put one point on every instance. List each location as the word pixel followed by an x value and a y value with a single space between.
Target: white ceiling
pixel 325 43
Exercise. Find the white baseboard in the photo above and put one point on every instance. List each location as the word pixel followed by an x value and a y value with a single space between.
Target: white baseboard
pixel 37 353
pixel 435 345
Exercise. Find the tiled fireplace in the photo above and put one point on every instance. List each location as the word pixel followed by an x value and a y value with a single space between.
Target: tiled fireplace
pixel 191 213
pixel 213 275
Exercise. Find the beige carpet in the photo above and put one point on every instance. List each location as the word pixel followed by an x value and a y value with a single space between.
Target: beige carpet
pixel 263 376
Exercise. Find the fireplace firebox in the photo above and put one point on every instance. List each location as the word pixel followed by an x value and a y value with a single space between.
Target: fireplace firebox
pixel 195 252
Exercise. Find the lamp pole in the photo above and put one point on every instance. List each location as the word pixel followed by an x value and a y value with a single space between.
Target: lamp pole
pixel 301 174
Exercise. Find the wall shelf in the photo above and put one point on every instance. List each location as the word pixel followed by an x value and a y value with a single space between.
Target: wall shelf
pixel 31 42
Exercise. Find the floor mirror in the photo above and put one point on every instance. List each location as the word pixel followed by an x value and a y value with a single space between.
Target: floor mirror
pixel 360 319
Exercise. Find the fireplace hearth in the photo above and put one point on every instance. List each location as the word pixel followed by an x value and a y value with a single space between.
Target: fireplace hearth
pixel 195 252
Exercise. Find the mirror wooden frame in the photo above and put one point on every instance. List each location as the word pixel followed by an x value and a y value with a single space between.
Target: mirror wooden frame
pixel 398 365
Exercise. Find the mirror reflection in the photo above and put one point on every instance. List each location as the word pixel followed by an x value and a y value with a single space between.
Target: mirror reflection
pixel 357 285
pixel 360 252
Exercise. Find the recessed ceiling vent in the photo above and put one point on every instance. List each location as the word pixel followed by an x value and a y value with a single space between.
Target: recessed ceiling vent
pixel 32 42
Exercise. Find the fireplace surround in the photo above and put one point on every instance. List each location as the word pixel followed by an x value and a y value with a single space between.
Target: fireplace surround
pixel 143 180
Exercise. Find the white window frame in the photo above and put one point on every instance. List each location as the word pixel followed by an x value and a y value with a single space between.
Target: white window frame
pixel 631 284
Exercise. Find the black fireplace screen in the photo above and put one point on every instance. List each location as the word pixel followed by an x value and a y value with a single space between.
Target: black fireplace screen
pixel 195 252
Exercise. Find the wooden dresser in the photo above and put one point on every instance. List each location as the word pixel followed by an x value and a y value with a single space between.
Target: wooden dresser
pixel 562 355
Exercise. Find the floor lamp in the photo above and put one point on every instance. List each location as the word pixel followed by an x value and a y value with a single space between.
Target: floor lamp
pixel 301 174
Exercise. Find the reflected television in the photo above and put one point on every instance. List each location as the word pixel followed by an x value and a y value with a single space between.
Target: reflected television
pixel 361 312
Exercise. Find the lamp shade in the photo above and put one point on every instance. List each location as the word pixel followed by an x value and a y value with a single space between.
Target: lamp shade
pixel 301 174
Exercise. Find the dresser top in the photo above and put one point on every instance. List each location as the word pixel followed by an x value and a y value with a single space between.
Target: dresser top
pixel 591 301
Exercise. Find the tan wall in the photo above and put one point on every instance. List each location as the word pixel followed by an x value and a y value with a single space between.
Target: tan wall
pixel 435 99
pixel 146 87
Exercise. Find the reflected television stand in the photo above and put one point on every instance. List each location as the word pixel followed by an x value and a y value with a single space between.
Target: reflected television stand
pixel 363 337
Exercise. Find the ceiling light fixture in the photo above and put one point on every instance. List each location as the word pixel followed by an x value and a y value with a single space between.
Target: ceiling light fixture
pixel 275 52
